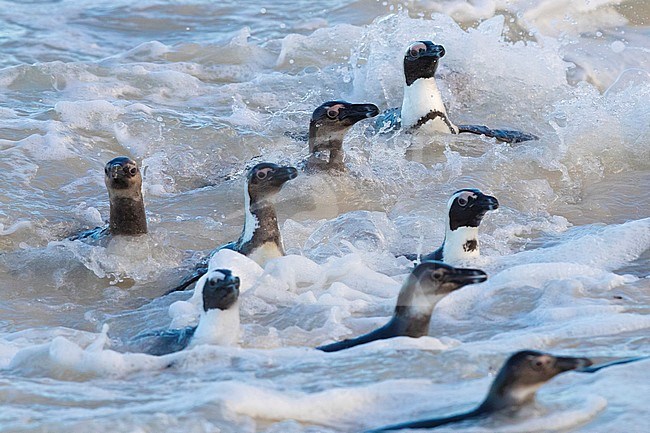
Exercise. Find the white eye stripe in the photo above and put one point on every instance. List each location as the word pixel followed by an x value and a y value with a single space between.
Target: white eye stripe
pixel 217 275
pixel 462 195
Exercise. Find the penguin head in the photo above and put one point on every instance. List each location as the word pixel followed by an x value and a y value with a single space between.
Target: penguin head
pixel 524 372
pixel 439 278
pixel 266 179
pixel 467 207
pixel 122 173
pixel 221 290
pixel 421 60
pixel 340 115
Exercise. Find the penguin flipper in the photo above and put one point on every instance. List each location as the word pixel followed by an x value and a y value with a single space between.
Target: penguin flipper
pixel 505 135
pixel 388 121
pixel 382 333
pixel 91 234
pixel 599 367
pixel 200 269
pixel 167 341
pixel 435 422
pixel 436 255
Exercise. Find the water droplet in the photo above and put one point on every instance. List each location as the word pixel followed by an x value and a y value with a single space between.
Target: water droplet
pixel 263 10
pixel 617 46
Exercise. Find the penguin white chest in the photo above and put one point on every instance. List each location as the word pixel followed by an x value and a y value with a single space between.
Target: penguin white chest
pixel 265 252
pixel 461 245
pixel 218 327
pixel 421 99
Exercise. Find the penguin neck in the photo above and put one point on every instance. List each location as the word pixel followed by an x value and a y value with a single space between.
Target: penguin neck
pixel 332 141
pixel 219 327
pixel 460 244
pixel 503 396
pixel 260 225
pixel 127 215
pixel 423 106
pixel 413 310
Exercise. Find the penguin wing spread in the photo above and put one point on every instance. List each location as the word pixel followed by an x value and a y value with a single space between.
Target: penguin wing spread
pixel 505 135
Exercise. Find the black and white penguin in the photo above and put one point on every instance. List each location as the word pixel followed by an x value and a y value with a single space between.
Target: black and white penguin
pixel 426 285
pixel 466 209
pixel 260 239
pixel 127 216
pixel 422 105
pixel 328 125
pixel 219 321
pixel 515 385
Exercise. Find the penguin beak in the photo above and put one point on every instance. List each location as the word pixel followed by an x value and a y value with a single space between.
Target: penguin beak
pixel 463 277
pixel 567 363
pixel 487 202
pixel 435 51
pixel 357 112
pixel 283 174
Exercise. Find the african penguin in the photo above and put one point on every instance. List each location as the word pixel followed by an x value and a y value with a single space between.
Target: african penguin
pixel 422 105
pixel 426 285
pixel 328 125
pixel 466 209
pixel 260 238
pixel 219 321
pixel 515 385
pixel 127 216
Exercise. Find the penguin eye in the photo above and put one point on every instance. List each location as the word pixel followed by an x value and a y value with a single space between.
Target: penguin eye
pixel 264 173
pixel 537 364
pixel 417 49
pixel 332 113
pixel 133 171
pixel 462 201
pixel 436 275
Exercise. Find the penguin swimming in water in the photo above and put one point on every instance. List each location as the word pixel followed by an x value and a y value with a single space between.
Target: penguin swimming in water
pixel 260 238
pixel 328 125
pixel 219 322
pixel 422 106
pixel 127 216
pixel 466 209
pixel 515 385
pixel 426 285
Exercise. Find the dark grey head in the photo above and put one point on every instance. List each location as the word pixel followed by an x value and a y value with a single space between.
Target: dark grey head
pixel 467 207
pixel 332 119
pixel 221 290
pixel 431 280
pixel 523 373
pixel 266 179
pixel 440 278
pixel 427 284
pixel 421 60
pixel 122 173
pixel 341 114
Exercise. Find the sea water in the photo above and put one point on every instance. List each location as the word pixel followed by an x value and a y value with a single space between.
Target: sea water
pixel 196 91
